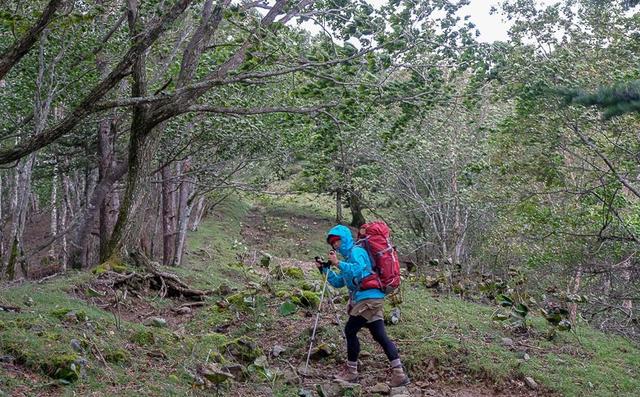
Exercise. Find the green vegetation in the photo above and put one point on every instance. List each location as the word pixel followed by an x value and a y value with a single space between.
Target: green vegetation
pixel 435 327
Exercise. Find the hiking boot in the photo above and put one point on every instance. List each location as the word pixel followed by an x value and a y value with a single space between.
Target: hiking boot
pixel 348 374
pixel 398 377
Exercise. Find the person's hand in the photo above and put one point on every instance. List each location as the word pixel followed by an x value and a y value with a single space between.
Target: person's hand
pixel 333 258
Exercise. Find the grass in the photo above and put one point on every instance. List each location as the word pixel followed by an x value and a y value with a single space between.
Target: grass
pixel 461 334
pixel 144 360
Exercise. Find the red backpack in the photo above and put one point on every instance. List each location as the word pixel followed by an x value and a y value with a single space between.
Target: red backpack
pixel 374 237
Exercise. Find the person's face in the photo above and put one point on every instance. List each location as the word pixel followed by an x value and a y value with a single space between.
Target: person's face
pixel 336 245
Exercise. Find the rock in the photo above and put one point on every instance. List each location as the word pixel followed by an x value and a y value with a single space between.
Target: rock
pixel 156 322
pixel 7 358
pixel 80 366
pixel 399 391
pixel 336 389
pixel 321 351
pixel 70 317
pixel 508 342
pixel 236 370
pixel 523 356
pixel 277 350
pixel 380 388
pixel 530 383
pixel 184 310
pixel 243 349
pixel 290 377
pixel 224 290
pixel 305 393
pixel 213 373
pixel 365 354
pixel 395 315
pixel 75 345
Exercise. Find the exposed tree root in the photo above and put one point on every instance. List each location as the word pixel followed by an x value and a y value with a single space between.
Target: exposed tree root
pixel 151 277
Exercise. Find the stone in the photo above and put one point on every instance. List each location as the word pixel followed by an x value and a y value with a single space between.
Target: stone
pixel 523 356
pixel 243 349
pixel 321 351
pixel 236 370
pixel 530 383
pixel 508 342
pixel 7 358
pixel 305 393
pixel 184 310
pixel 290 377
pixel 395 315
pixel 158 322
pixel 380 388
pixel 277 350
pixel 399 391
pixel 213 373
pixel 76 346
pixel 70 317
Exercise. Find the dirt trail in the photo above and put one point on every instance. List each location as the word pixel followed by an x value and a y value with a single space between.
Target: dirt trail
pixel 433 381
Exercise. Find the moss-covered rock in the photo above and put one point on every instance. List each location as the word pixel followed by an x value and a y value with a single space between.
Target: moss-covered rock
pixel 294 272
pixel 143 338
pixel 243 349
pixel 62 366
pixel 242 301
pixel 307 299
pixel 117 356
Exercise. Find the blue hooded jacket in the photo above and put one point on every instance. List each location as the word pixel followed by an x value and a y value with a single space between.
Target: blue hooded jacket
pixel 355 266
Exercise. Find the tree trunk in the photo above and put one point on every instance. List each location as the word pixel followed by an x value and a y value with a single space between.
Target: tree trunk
pixel 168 216
pixel 573 307
pixel 64 219
pixel 2 261
pixel 21 199
pixel 200 207
pixel 339 216
pixel 86 218
pixel 355 206
pixel 54 209
pixel 185 206
pixel 627 304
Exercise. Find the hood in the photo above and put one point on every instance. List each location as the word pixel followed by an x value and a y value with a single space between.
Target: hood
pixel 346 239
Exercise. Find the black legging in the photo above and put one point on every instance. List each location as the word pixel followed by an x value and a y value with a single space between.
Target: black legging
pixel 354 324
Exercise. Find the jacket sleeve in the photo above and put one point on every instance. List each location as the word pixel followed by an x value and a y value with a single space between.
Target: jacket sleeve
pixel 334 279
pixel 355 271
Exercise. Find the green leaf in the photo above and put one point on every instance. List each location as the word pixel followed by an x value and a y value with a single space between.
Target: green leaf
pixel 288 308
pixel 504 300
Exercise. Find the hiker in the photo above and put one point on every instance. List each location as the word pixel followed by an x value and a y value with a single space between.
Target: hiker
pixel 365 307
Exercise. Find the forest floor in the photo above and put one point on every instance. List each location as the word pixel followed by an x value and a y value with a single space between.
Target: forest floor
pixel 77 335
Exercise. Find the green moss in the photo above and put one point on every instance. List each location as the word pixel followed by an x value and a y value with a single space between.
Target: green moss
pixel 307 299
pixel 143 338
pixel 294 272
pixel 111 265
pixel 62 366
pixel 117 356
pixel 282 294
pixel 243 349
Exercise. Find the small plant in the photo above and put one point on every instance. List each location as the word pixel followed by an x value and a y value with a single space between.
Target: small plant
pixel 515 311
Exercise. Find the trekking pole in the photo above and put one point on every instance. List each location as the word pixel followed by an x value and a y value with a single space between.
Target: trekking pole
pixel 315 325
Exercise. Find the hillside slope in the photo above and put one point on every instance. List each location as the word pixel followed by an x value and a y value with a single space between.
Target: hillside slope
pixel 82 335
